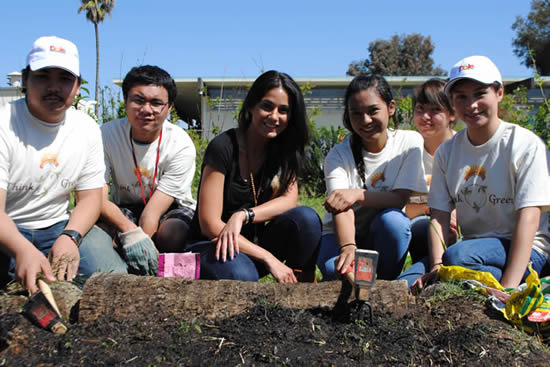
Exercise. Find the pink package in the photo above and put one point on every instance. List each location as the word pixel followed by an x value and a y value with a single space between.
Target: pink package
pixel 179 265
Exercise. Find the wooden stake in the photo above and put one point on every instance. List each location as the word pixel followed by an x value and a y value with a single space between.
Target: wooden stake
pixel 46 290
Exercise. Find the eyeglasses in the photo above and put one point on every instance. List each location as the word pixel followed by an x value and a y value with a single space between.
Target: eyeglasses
pixel 138 102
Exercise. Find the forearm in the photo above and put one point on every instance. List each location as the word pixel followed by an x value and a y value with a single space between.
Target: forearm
pixel 344 227
pixel 275 207
pixel 87 210
pixel 111 213
pixel 415 210
pixel 149 225
pixel 254 251
pixel 157 205
pixel 12 242
pixel 385 199
pixel 438 235
pixel 527 224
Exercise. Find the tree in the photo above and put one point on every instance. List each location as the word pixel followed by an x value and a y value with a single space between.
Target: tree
pixel 96 11
pixel 533 36
pixel 402 55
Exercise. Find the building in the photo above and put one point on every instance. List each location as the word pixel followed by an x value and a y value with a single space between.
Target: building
pixel 213 103
pixel 13 92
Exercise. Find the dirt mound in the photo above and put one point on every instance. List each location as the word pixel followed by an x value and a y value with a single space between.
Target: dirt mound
pixel 436 331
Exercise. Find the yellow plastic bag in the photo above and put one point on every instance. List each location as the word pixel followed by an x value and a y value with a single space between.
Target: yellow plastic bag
pixel 529 299
pixel 522 303
pixel 447 273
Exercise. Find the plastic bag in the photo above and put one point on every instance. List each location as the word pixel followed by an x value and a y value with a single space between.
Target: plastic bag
pixel 527 306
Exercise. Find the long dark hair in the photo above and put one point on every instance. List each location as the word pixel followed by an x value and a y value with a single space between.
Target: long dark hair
pixel 358 84
pixel 285 153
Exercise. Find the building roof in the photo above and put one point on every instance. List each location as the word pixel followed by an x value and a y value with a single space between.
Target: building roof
pixel 188 101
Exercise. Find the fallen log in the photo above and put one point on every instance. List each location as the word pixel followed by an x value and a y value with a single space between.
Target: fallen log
pixel 127 297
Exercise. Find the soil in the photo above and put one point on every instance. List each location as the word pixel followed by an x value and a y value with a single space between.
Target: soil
pixel 458 330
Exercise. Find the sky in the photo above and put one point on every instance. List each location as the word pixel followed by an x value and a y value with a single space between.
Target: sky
pixel 303 38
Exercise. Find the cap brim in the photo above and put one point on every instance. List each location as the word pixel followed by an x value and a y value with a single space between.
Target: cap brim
pixel 450 84
pixel 40 65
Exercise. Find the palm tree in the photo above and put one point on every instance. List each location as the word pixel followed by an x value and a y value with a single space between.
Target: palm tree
pixel 96 10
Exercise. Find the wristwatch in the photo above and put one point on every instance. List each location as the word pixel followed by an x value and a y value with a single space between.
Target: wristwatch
pixel 74 235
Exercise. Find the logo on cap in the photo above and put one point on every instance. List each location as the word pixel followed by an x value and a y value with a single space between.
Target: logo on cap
pixel 57 49
pixel 465 67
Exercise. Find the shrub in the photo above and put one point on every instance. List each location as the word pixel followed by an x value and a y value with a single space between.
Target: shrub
pixel 513 108
pixel 200 146
pixel 312 181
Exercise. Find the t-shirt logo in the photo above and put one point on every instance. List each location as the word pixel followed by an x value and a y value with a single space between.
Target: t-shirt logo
pixel 49 176
pixel 142 171
pixel 380 176
pixel 50 158
pixel 475 194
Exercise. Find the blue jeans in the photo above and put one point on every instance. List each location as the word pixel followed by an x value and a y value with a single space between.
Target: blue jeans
pixel 292 236
pixel 389 234
pixel 98 255
pixel 96 251
pixel 43 239
pixel 418 248
pixel 481 254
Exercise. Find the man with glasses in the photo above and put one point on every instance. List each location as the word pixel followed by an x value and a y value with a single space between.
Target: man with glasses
pixel 150 164
pixel 47 150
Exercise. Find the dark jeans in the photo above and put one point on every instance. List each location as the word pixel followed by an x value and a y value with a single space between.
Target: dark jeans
pixel 418 248
pixel 293 237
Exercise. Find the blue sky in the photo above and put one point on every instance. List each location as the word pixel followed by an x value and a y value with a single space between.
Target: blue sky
pixel 238 38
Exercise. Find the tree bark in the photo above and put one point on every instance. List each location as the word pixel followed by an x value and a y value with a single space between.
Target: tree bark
pixel 96 69
pixel 126 297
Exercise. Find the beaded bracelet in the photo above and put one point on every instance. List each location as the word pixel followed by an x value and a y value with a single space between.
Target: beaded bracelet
pixel 347 244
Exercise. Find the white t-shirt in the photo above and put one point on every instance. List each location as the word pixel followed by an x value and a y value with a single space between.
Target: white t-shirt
pixel 176 166
pixel 41 163
pixel 397 166
pixel 488 183
pixel 427 161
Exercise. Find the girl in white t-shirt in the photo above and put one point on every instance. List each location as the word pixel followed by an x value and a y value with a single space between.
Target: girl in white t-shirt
pixel 370 177
pixel 434 119
pixel 495 174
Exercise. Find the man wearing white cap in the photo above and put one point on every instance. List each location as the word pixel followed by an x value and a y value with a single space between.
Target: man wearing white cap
pixel 47 150
pixel 495 174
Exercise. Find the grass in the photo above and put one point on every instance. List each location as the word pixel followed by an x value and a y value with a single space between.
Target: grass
pixel 314 202
pixel 452 289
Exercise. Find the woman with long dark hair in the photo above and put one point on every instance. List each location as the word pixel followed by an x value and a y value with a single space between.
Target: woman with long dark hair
pixel 247 222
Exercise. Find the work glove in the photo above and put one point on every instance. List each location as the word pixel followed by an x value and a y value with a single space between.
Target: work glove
pixel 140 252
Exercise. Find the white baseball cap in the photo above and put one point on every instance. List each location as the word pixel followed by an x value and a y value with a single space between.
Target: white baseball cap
pixel 479 68
pixel 54 52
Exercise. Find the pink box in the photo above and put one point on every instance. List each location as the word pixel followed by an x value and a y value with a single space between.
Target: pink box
pixel 179 265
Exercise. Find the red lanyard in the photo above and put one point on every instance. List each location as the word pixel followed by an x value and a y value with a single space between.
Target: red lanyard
pixel 138 172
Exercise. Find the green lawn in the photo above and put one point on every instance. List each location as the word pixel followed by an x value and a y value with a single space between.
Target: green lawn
pixel 315 202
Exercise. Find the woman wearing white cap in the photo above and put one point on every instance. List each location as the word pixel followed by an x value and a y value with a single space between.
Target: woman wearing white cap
pixel 495 174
